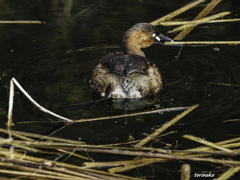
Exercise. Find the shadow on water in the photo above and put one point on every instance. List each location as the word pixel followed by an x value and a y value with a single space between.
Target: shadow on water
pixel 54 61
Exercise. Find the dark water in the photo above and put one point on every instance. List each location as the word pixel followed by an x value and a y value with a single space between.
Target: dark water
pixel 54 61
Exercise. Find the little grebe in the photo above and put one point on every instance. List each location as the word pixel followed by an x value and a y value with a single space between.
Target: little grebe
pixel 130 74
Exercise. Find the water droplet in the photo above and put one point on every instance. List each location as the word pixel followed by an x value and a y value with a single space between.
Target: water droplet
pixel 216 49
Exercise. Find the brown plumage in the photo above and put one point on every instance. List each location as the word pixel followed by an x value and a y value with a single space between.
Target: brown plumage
pixel 129 74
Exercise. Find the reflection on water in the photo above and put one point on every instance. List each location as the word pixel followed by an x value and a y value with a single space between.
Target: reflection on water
pixel 133 104
pixel 54 62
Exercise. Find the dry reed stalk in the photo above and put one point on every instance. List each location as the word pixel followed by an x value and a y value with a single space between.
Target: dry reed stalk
pixel 126 168
pixel 224 84
pixel 46 162
pixel 74 154
pixel 17 135
pixel 39 171
pixel 228 141
pixel 122 163
pixel 196 22
pixel 21 22
pixel 10 108
pixel 202 14
pixel 177 12
pixel 185 172
pixel 164 127
pixel 18 173
pixel 159 111
pixel 67 171
pixel 81 147
pixel 229 173
pixel 136 165
pixel 180 152
pixel 68 146
pixel 208 143
pixel 233 145
pixel 203 42
pixel 40 165
pixel 46 165
pixel 159 155
pixel 46 143
pixel 177 23
pixel 109 176
pixel 210 151
pixel 22 146
pixel 166 151
pixel 231 120
pixel 44 137
pixel 207 153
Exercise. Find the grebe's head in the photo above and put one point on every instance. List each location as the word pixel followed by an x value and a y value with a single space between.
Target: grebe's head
pixel 141 35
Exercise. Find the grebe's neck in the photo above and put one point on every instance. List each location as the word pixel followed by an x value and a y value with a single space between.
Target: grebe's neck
pixel 132 43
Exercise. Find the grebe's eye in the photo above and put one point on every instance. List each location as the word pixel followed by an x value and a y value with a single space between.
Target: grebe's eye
pixel 153 35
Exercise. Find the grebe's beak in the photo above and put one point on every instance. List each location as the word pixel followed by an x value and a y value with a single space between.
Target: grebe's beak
pixel 161 39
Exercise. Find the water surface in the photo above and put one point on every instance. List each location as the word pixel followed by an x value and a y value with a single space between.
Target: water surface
pixel 53 62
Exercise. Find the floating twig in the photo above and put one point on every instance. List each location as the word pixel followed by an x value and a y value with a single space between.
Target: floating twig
pixel 200 21
pixel 231 120
pixel 74 154
pixel 122 163
pixel 126 168
pixel 177 23
pixel 225 144
pixel 203 42
pixel 229 173
pixel 30 174
pixel 43 137
pixel 185 172
pixel 33 170
pixel 21 22
pixel 160 111
pixel 17 135
pixel 22 146
pixel 164 127
pixel 223 84
pixel 177 12
pixel 159 155
pixel 201 15
pixel 236 152
pixel 51 164
pixel 203 141
pixel 10 108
